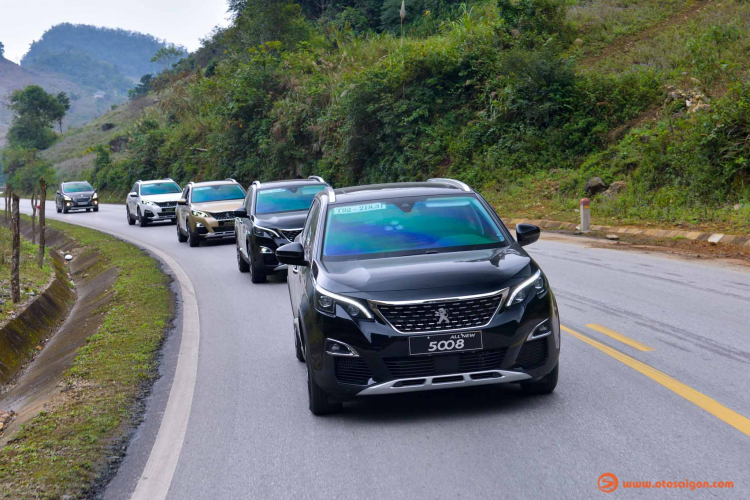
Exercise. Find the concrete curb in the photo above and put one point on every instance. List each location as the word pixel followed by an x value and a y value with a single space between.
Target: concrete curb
pixel 716 238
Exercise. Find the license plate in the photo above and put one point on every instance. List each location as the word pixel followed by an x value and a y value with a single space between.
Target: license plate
pixel 168 211
pixel 445 343
pixel 83 203
pixel 227 223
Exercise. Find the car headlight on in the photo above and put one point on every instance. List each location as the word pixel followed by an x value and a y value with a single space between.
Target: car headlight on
pixel 95 196
pixel 326 301
pixel 198 213
pixel 67 198
pixel 151 203
pixel 264 232
pixel 522 290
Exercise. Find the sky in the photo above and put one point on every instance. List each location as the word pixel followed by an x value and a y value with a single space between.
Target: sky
pixel 182 22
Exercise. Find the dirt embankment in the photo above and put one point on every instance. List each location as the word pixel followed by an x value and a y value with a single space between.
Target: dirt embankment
pixel 39 324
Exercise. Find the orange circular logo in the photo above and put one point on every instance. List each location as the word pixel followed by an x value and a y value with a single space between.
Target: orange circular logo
pixel 608 482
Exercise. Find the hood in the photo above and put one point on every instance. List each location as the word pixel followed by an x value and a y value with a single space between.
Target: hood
pixel 287 220
pixel 218 206
pixel 161 198
pixel 80 194
pixel 462 273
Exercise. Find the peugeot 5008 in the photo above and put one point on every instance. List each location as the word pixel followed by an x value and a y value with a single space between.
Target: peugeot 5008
pixel 272 216
pixel 417 286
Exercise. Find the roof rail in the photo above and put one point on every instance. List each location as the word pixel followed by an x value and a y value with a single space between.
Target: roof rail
pixel 331 194
pixel 256 183
pixel 316 178
pixel 230 179
pixel 453 182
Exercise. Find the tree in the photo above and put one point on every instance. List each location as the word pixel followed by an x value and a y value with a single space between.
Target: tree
pixel 35 113
pixel 167 56
pixel 64 101
pixel 142 88
pixel 2 50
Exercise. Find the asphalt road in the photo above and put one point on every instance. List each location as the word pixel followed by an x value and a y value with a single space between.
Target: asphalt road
pixel 250 434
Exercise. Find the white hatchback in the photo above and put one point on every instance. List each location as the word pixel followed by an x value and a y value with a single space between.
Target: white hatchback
pixel 152 201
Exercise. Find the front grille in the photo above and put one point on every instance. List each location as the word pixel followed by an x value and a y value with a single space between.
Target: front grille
pixel 222 215
pixel 477 361
pixel 466 362
pixel 410 367
pixel 224 229
pixel 290 234
pixel 441 315
pixel 167 204
pixel 352 371
pixel 82 199
pixel 532 354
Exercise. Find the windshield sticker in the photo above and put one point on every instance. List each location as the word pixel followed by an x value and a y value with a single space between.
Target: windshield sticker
pixel 280 190
pixel 359 208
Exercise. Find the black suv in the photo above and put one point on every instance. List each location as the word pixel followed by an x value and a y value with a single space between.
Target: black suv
pixel 417 286
pixel 273 215
pixel 78 195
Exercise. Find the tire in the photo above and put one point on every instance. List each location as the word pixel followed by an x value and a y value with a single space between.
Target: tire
pixel 545 385
pixel 242 265
pixel 318 398
pixel 256 275
pixel 88 210
pixel 298 346
pixel 131 221
pixel 58 208
pixel 142 221
pixel 96 209
pixel 193 239
pixel 65 210
pixel 180 237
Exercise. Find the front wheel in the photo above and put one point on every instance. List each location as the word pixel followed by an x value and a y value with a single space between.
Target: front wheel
pixel 319 402
pixel 88 210
pixel 193 240
pixel 57 207
pixel 180 237
pixel 242 265
pixel 65 210
pixel 142 221
pixel 96 209
pixel 544 385
pixel 131 221
pixel 256 274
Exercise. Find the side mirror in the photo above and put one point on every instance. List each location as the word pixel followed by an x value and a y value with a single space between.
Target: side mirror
pixel 182 201
pixel 292 254
pixel 133 194
pixel 241 213
pixel 526 234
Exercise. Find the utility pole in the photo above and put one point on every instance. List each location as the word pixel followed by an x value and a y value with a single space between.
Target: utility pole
pixel 402 15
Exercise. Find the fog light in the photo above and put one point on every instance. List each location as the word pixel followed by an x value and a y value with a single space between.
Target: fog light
pixel 353 311
pixel 265 250
pixel 336 348
pixel 198 224
pixel 541 330
pixel 69 204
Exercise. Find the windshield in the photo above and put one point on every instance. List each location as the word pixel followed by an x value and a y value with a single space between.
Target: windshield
pixel 159 188
pixel 288 199
pixel 409 226
pixel 76 187
pixel 218 192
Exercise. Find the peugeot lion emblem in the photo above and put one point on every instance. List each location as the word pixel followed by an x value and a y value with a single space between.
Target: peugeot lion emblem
pixel 442 315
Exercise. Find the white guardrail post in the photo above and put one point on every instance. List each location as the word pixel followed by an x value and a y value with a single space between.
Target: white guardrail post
pixel 585 215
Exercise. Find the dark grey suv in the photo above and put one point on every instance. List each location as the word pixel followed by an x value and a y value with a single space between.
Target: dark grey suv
pixel 78 195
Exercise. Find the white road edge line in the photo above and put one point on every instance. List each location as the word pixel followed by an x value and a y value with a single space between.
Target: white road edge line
pixel 156 477
pixel 162 461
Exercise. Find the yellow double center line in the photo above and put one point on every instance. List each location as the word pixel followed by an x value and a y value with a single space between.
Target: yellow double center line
pixel 713 407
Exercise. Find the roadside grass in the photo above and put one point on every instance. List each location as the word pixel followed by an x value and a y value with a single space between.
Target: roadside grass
pixel 33 279
pixel 63 450
pixel 548 196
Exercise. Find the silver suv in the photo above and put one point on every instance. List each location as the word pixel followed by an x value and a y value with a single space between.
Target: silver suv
pixel 151 201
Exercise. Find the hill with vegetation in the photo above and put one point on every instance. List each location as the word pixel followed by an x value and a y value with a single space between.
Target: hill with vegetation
pixel 525 99
pixel 127 52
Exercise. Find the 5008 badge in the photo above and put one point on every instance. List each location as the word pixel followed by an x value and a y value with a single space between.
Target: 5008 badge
pixel 449 342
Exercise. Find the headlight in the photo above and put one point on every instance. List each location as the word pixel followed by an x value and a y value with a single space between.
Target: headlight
pixel 264 232
pixel 326 301
pixel 149 203
pixel 67 198
pixel 521 291
pixel 95 197
pixel 198 213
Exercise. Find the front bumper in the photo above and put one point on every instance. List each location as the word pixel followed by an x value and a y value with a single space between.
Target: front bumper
pixel 385 366
pixel 156 213
pixel 210 228
pixel 73 205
